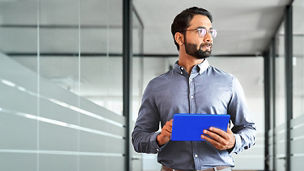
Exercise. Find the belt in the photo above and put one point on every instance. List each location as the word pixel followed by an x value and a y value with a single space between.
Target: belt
pixel 164 168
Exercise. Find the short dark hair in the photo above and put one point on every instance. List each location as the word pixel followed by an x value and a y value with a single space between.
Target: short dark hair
pixel 182 20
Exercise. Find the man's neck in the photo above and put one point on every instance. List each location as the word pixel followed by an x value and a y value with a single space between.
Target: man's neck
pixel 188 62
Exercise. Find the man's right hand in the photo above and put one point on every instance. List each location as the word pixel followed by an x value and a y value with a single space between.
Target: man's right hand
pixel 165 134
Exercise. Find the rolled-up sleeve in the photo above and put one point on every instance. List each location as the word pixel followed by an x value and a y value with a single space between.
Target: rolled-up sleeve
pixel 147 123
pixel 244 128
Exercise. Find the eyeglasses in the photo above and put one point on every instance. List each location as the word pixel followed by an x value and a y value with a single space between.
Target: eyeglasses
pixel 203 31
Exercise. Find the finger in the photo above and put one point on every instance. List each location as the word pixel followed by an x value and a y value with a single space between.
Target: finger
pixel 229 131
pixel 219 132
pixel 213 142
pixel 167 133
pixel 168 129
pixel 216 137
pixel 171 122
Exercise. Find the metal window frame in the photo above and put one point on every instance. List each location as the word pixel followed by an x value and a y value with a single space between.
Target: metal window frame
pixel 267 103
pixel 127 68
pixel 288 80
pixel 273 90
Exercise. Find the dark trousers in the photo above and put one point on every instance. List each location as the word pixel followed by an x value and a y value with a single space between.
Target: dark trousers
pixel 218 168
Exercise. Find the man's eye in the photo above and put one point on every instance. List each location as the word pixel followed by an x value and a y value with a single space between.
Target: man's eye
pixel 200 31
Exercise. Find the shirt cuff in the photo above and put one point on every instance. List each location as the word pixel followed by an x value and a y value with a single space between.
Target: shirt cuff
pixel 237 144
pixel 154 143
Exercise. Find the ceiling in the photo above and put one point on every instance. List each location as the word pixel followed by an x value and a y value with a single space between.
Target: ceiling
pixel 244 27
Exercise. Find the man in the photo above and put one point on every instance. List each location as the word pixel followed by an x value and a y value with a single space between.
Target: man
pixel 193 86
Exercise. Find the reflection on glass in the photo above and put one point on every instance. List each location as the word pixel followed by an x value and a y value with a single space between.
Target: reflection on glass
pixel 101 38
pixel 280 100
pixel 18 47
pixel 280 111
pixel 298 59
pixel 61 85
pixel 298 85
pixel 137 82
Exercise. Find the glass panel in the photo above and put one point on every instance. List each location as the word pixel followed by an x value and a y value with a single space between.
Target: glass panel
pixel 18 85
pixel 101 49
pixel 280 111
pixel 137 66
pixel 59 75
pixel 101 83
pixel 53 99
pixel 298 59
pixel 137 82
pixel 280 100
pixel 297 132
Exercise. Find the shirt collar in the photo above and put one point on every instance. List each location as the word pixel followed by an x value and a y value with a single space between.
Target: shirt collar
pixel 202 66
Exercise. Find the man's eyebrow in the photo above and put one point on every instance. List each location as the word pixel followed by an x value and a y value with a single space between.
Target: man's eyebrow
pixel 203 27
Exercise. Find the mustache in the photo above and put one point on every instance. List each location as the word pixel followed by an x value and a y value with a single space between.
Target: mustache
pixel 206 44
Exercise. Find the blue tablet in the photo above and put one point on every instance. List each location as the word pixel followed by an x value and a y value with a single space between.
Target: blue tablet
pixel 189 127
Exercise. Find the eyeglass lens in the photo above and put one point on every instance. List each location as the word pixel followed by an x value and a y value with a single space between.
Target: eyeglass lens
pixel 202 32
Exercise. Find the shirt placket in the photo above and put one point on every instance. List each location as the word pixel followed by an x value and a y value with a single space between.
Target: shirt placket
pixel 192 109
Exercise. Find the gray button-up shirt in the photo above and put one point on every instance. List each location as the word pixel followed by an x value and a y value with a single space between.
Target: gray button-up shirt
pixel 205 90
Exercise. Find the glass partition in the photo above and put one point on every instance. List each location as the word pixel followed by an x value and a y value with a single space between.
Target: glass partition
pixel 280 100
pixel 137 82
pixel 18 85
pixel 61 85
pixel 297 131
pixel 298 59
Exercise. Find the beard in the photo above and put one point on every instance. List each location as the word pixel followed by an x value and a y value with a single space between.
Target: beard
pixel 191 49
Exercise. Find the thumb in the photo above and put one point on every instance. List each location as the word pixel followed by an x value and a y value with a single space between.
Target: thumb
pixel 229 130
pixel 171 122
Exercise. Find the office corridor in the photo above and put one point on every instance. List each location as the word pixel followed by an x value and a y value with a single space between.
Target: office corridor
pixel 73 72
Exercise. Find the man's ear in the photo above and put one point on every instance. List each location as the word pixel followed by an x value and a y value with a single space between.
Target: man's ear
pixel 179 38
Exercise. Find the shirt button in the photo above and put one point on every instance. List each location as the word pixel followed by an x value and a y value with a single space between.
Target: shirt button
pixel 191 97
pixel 181 72
pixel 196 155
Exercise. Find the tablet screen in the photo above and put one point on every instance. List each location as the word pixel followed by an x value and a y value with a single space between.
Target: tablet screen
pixel 189 127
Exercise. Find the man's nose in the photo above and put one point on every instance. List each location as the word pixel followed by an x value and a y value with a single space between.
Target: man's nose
pixel 208 38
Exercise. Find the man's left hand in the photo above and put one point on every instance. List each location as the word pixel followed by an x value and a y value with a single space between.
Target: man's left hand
pixel 220 139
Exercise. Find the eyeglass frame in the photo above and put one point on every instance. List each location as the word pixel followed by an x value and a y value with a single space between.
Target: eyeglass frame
pixel 203 28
